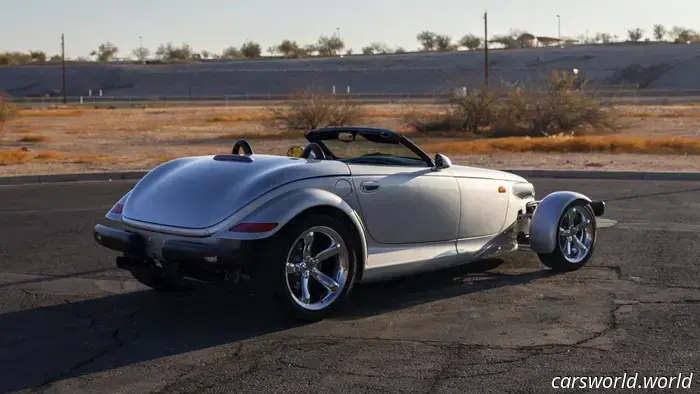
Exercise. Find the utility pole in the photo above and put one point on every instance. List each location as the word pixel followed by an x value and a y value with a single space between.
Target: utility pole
pixel 559 28
pixel 141 54
pixel 63 67
pixel 486 50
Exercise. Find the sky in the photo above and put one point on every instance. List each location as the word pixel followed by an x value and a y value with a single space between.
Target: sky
pixel 216 24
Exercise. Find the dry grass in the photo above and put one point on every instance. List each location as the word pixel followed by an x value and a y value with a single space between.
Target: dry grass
pixel 34 138
pixel 662 115
pixel 585 144
pixel 49 156
pixel 14 157
pixel 88 139
pixel 53 112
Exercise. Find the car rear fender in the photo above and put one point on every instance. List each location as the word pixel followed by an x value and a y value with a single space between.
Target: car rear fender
pixel 282 209
pixel 112 214
pixel 545 219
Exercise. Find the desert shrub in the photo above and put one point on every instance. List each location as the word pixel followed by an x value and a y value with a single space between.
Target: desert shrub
pixel 563 106
pixel 559 105
pixel 309 110
pixel 7 112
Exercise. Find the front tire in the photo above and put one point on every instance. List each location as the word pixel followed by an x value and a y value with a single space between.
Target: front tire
pixel 575 238
pixel 310 266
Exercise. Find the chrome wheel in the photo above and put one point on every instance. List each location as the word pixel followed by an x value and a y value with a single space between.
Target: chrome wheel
pixel 576 234
pixel 317 268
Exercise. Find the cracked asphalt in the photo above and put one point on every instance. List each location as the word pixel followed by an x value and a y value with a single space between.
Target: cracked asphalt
pixel 71 322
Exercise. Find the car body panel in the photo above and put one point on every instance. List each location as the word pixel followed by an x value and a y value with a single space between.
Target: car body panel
pixel 415 198
pixel 199 192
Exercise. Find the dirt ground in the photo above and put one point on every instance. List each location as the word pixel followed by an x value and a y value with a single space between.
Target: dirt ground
pixel 89 140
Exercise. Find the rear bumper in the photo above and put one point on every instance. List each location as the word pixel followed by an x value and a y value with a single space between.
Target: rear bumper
pixel 172 251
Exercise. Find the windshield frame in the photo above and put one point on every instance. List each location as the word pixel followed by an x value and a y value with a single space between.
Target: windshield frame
pixel 370 134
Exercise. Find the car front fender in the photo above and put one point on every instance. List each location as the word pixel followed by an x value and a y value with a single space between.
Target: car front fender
pixel 287 206
pixel 545 219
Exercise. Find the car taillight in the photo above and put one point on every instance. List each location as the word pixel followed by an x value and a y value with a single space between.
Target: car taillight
pixel 253 227
pixel 117 209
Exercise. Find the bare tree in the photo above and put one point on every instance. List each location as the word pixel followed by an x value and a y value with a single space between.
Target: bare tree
pixel 105 52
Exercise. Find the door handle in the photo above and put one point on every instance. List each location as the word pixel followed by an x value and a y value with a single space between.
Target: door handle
pixel 369 186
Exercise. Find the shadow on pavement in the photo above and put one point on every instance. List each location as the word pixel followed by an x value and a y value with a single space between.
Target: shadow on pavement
pixel 43 345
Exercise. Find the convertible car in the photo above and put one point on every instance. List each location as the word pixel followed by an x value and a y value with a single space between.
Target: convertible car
pixel 355 205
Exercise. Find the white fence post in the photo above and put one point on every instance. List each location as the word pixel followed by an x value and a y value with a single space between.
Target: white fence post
pixel 348 90
pixel 334 90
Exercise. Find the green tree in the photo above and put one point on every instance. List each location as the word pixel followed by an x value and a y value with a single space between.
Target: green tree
pixel 427 40
pixel 105 52
pixel 635 35
pixel 470 41
pixel 329 46
pixel 251 49
pixel 659 32
pixel 170 52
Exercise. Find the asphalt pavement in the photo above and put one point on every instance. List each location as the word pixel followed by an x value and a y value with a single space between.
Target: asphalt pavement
pixel 71 322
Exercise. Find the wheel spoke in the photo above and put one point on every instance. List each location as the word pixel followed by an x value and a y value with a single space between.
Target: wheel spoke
pixel 293 268
pixel 325 280
pixel 305 296
pixel 308 241
pixel 581 246
pixel 331 251
pixel 568 247
pixel 579 226
pixel 571 215
pixel 563 231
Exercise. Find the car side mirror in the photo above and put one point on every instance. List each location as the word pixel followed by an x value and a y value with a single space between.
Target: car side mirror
pixel 442 161
pixel 295 151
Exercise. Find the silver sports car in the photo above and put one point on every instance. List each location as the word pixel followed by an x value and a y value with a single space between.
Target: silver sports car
pixel 355 205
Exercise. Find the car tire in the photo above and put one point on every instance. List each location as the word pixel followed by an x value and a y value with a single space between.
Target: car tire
pixel 562 259
pixel 274 279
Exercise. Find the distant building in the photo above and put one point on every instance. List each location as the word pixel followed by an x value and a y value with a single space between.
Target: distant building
pixel 526 40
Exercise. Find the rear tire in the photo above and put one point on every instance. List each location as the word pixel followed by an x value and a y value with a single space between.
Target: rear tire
pixel 575 238
pixel 292 269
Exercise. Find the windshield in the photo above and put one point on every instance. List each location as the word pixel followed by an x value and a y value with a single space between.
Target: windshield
pixel 360 148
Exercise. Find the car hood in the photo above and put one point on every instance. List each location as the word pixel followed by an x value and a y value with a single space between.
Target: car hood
pixel 199 192
pixel 484 173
